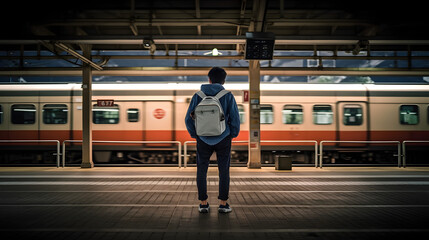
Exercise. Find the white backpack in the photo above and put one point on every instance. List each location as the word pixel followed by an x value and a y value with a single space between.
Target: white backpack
pixel 209 116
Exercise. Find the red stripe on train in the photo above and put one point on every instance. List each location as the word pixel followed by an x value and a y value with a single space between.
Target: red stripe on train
pixel 182 136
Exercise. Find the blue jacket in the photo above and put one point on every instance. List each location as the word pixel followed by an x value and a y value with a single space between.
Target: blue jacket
pixel 230 110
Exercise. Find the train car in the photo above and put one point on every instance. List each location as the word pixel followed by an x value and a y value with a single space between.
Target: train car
pixel 156 112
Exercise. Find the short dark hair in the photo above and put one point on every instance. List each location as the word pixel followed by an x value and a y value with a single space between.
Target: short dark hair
pixel 217 75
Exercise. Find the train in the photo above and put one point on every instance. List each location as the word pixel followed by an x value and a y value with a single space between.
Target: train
pixel 156 112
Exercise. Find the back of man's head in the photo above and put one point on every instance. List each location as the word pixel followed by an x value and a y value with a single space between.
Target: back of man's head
pixel 217 75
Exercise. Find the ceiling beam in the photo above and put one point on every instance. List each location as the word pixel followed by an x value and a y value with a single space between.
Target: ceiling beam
pixel 132 20
pixel 145 23
pixel 240 47
pixel 242 21
pixel 257 23
pixel 133 27
pixel 209 57
pixel 198 15
pixel 160 33
pixel 210 40
pixel 202 71
pixel 77 55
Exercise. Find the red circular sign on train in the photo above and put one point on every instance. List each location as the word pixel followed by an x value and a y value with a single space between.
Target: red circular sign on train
pixel 158 113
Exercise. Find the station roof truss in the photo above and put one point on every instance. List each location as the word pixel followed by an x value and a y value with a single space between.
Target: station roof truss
pixel 171 26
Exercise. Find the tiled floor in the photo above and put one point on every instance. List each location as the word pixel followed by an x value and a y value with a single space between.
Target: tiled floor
pixel 160 203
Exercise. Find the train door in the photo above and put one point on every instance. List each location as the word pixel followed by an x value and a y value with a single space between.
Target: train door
pixel 352 121
pixel 134 120
pixel 158 121
pixel 4 124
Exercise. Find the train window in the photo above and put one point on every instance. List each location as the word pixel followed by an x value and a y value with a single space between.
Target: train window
pixel 242 113
pixel 133 115
pixel 23 114
pixel 292 114
pixel 105 115
pixel 55 114
pixel 1 114
pixel 322 114
pixel 353 114
pixel 266 112
pixel 409 114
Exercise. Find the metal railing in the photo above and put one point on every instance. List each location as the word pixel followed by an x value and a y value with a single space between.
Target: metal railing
pixel 185 150
pixel 404 152
pixel 376 142
pixel 179 147
pixel 185 147
pixel 38 141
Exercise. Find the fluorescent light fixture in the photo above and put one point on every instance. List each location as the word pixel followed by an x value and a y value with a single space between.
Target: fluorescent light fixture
pixel 24 110
pixel 213 52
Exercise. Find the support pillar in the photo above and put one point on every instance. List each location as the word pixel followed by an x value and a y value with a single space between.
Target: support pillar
pixel 254 115
pixel 87 110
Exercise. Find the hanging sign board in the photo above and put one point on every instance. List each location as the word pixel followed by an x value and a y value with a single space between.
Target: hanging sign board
pixel 259 45
pixel 245 96
pixel 105 102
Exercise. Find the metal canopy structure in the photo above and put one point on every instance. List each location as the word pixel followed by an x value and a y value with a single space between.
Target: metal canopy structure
pixel 204 24
pixel 171 26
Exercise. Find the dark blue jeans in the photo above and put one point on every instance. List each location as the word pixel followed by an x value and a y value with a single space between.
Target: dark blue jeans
pixel 223 153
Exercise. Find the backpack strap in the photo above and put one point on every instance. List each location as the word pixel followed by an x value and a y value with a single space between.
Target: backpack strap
pixel 201 94
pixel 221 94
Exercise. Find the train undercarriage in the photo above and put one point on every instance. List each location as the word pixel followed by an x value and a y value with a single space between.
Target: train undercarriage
pixel 169 156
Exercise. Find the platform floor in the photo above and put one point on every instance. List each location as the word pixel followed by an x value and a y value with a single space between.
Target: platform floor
pixel 161 203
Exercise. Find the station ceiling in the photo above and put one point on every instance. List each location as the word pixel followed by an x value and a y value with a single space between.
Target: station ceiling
pixel 204 25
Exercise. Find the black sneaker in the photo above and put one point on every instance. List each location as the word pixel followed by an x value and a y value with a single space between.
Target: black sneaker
pixel 224 208
pixel 204 208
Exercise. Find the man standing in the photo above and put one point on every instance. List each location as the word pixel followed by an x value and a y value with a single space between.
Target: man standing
pixel 221 144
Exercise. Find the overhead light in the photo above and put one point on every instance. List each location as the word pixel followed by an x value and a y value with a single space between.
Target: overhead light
pixel 148 43
pixel 213 52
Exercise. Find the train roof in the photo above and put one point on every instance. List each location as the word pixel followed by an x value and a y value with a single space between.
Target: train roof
pixel 229 86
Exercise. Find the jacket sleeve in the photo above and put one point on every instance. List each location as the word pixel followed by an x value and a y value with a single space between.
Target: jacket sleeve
pixel 234 118
pixel 190 125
